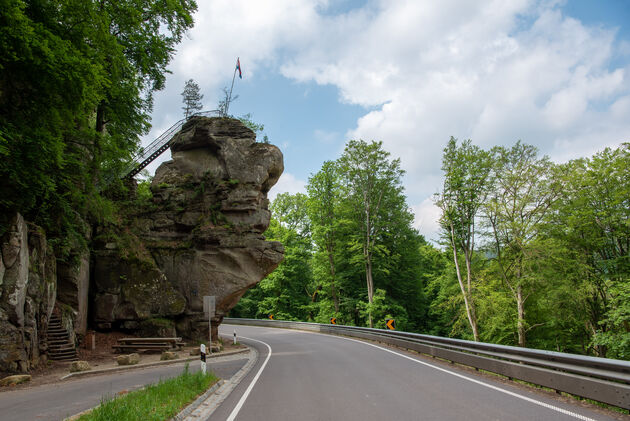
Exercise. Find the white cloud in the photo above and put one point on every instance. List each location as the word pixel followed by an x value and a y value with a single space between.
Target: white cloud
pixel 325 136
pixel 492 71
pixel 427 217
pixel 287 183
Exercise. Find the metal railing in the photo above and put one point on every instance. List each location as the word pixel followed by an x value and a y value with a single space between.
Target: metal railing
pixel 147 155
pixel 601 379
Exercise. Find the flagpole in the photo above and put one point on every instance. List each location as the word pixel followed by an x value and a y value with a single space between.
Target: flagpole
pixel 231 87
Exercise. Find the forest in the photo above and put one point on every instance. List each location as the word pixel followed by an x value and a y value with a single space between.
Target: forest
pixel 531 252
pixel 77 80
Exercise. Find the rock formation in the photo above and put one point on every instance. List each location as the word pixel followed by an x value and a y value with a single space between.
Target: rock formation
pixel 200 234
pixel 27 295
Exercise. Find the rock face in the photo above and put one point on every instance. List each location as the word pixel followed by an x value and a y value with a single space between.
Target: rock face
pixel 27 295
pixel 201 234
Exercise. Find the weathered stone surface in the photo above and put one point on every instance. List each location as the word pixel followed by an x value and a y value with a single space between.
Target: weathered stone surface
pixel 16 257
pixel 16 379
pixel 200 235
pixel 2 269
pixel 80 366
pixel 73 282
pixel 157 328
pixel 129 359
pixel 168 355
pixel 27 296
pixel 132 291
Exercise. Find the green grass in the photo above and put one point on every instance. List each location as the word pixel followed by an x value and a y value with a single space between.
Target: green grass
pixel 159 401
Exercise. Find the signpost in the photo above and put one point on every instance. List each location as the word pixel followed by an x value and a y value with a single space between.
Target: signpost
pixel 271 317
pixel 333 320
pixel 391 324
pixel 209 307
pixel 202 354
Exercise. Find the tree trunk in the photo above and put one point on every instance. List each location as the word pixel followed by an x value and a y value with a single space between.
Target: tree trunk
pixel 370 286
pixel 520 306
pixel 333 291
pixel 468 300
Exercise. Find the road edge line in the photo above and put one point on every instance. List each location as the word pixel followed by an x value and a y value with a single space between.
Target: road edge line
pixel 241 401
pixel 470 379
pixel 207 407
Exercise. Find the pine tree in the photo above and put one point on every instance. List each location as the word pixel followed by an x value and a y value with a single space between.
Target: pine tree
pixel 191 98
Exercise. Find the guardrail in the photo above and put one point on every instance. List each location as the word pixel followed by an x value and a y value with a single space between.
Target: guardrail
pixel 601 379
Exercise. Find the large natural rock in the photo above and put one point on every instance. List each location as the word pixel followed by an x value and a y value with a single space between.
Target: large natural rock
pixel 77 366
pixel 129 359
pixel 27 295
pixel 73 282
pixel 16 258
pixel 200 235
pixel 168 355
pixel 15 379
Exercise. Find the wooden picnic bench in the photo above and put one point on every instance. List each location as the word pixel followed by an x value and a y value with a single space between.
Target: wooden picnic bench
pixel 148 344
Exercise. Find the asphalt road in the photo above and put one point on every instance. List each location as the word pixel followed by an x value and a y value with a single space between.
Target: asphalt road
pixel 58 401
pixel 309 376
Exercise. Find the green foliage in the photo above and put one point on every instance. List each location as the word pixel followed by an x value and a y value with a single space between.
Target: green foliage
pixel 323 274
pixel 158 401
pixel 257 128
pixel 545 247
pixel 615 334
pixel 467 170
pixel 191 96
pixel 75 93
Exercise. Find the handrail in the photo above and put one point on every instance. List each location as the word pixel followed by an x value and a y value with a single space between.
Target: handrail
pixel 145 156
pixel 601 379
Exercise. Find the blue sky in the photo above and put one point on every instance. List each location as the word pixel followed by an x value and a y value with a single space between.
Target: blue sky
pixel 317 73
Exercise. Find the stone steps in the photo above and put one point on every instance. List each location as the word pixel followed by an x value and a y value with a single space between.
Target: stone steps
pixel 59 346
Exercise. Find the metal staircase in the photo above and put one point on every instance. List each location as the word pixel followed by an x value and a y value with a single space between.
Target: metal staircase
pixel 147 155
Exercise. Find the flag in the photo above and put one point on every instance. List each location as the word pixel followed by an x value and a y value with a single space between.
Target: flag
pixel 238 67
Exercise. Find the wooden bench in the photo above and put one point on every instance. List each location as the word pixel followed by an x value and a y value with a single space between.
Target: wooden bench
pixel 148 344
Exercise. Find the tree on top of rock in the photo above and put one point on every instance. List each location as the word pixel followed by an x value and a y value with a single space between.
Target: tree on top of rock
pixel 191 98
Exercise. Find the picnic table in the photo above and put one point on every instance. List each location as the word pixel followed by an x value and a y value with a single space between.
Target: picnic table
pixel 148 344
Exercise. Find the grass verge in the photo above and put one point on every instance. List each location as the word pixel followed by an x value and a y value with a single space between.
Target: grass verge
pixel 156 402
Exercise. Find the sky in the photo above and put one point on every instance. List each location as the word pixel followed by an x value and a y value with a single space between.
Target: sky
pixel 316 73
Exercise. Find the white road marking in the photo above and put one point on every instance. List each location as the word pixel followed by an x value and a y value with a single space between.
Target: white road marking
pixel 240 403
pixel 498 389
pixel 507 392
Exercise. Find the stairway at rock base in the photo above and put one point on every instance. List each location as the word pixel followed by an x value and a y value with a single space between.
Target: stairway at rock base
pixel 59 346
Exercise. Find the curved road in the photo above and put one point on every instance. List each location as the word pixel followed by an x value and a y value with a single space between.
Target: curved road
pixel 310 376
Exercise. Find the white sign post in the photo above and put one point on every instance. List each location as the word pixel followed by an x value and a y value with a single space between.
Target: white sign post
pixel 202 350
pixel 209 306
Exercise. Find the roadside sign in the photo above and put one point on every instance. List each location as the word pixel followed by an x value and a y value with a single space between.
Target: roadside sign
pixel 271 317
pixel 209 304
pixel 333 320
pixel 209 307
pixel 391 324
